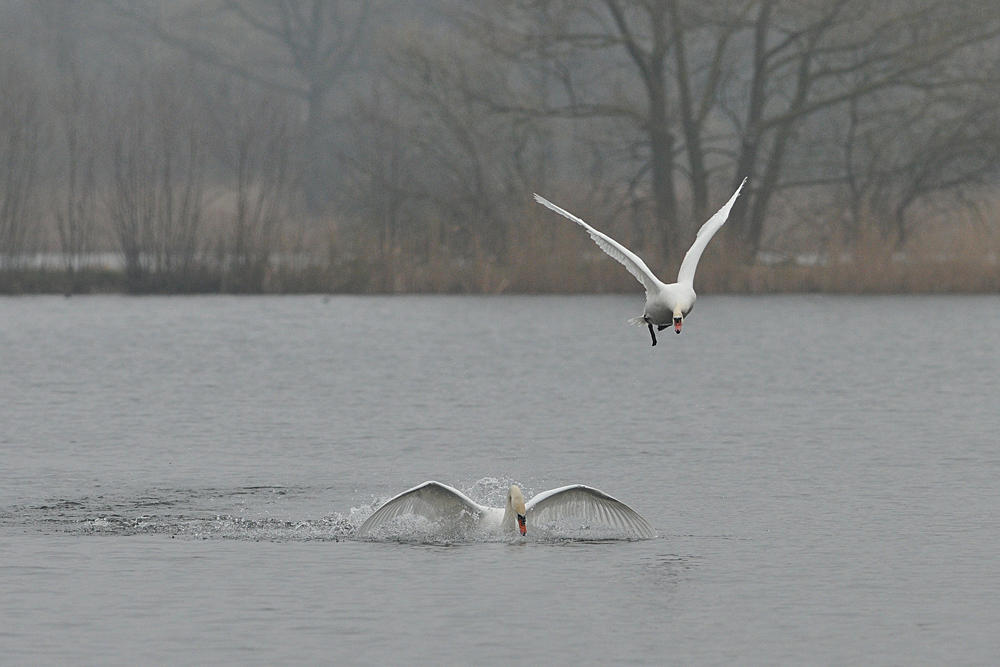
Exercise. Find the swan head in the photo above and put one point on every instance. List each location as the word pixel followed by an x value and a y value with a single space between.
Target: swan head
pixel 515 502
pixel 678 319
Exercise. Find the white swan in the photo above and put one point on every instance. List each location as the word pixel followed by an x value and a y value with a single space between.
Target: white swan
pixel 452 511
pixel 663 302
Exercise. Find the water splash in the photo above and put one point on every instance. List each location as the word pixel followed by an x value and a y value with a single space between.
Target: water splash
pixel 271 514
pixel 238 514
pixel 492 491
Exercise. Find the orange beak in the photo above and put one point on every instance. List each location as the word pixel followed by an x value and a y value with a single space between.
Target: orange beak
pixel 520 524
pixel 677 324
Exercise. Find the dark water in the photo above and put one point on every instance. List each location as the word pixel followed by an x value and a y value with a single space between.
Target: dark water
pixel 180 478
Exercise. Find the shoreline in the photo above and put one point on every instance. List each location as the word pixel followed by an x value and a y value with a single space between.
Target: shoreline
pixel 588 278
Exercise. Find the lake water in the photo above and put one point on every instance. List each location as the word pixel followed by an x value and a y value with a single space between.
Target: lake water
pixel 180 479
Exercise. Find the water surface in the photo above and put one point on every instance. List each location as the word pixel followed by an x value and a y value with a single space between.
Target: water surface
pixel 180 478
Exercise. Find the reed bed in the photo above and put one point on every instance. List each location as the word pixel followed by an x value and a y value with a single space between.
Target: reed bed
pixel 549 257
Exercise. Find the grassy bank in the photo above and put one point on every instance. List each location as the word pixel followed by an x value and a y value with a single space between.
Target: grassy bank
pixel 547 258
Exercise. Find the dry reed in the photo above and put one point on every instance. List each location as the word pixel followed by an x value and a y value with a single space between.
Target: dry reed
pixel 553 256
pixel 550 257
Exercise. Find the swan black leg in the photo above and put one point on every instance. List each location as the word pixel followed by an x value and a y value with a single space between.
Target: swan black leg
pixel 652 334
pixel 661 327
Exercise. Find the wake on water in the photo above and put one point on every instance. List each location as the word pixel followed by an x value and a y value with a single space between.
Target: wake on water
pixel 249 513
pixel 239 514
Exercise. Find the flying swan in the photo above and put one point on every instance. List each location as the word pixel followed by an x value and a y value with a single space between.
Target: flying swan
pixel 452 510
pixel 663 302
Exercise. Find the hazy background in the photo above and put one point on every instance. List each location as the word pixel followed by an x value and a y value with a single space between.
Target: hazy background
pixel 389 146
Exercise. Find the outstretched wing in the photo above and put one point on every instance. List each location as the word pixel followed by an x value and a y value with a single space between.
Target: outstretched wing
pixel 615 249
pixel 705 234
pixel 434 501
pixel 582 502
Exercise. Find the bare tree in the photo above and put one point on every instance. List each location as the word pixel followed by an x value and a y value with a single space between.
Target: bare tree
pixel 20 147
pixel 814 59
pixel 627 62
pixel 157 189
pixel 931 144
pixel 729 87
pixel 254 143
pixel 467 159
pixel 299 48
pixel 648 110
pixel 380 182
pixel 76 216
pixel 76 125
pixel 434 170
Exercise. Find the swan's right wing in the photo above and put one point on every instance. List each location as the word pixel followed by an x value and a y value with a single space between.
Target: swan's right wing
pixel 434 501
pixel 623 255
pixel 585 503
pixel 686 274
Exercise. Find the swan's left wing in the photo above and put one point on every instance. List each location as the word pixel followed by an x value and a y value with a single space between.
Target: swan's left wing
pixel 583 502
pixel 434 501
pixel 613 248
pixel 705 234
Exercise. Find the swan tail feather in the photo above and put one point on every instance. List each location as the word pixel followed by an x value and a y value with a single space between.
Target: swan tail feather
pixel 638 321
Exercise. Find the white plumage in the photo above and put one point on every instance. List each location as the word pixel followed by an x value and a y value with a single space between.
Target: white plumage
pixel 452 512
pixel 665 304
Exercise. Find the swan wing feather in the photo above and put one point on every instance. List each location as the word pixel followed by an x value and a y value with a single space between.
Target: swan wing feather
pixel 583 502
pixel 616 250
pixel 432 500
pixel 705 234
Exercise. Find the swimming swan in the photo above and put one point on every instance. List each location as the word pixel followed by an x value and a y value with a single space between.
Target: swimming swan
pixel 663 302
pixel 453 510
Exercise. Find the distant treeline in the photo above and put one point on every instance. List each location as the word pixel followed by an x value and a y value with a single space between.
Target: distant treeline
pixel 386 146
pixel 563 265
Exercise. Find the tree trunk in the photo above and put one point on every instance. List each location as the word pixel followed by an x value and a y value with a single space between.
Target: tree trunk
pixel 750 145
pixel 662 148
pixel 313 183
pixel 689 125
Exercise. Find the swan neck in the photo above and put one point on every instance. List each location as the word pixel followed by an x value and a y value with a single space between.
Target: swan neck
pixel 508 516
